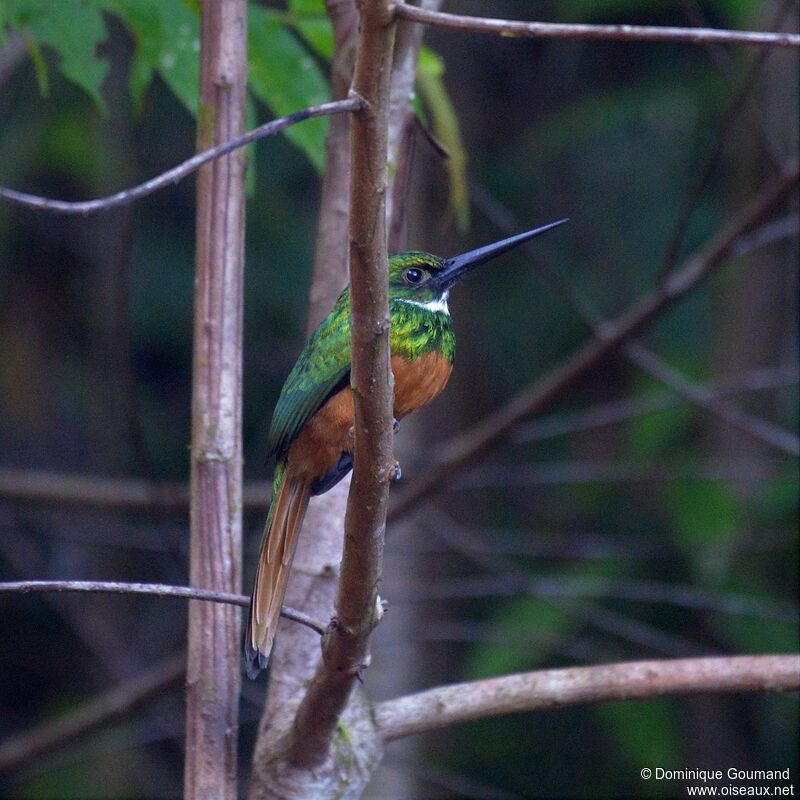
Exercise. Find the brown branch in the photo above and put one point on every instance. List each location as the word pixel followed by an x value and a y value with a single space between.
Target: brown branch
pixel 114 704
pixel 179 172
pixel 213 673
pixel 402 126
pixel 559 688
pixel 619 33
pixel 474 443
pixel 330 252
pixel 345 651
pixel 315 574
pixel 154 589
pixel 312 584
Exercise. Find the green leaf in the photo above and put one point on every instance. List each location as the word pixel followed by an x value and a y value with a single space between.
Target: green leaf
pixel 73 29
pixel 284 75
pixel 167 37
pixel 430 81
pixel 311 21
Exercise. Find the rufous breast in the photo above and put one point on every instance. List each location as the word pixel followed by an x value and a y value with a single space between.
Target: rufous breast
pixel 418 382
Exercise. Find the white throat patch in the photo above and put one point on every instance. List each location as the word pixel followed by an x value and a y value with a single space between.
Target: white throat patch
pixel 438 305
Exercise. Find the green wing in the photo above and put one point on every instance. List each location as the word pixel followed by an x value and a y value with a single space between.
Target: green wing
pixel 323 366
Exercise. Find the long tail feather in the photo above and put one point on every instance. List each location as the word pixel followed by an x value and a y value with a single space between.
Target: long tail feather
pixel 290 501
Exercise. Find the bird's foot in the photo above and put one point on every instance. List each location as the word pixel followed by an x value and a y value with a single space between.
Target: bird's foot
pixel 395 425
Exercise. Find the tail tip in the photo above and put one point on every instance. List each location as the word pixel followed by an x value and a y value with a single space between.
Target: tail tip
pixel 254 661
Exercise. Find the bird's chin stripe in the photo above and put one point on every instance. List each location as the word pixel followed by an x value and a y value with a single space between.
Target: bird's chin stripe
pixel 438 305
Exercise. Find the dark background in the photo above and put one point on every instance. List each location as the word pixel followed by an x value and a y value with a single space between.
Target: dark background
pixel 669 534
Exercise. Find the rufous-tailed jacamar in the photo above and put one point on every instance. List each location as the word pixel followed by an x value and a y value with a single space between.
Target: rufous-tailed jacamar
pixel 311 431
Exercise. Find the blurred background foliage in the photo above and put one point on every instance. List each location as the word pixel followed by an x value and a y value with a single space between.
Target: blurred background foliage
pixel 664 533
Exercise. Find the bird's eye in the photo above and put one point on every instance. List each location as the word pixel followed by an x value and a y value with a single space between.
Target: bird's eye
pixel 413 275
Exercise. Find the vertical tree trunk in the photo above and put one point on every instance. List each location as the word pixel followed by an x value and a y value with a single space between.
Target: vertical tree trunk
pixel 216 470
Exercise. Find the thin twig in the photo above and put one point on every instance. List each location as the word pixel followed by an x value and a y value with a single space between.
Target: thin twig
pixel 573 473
pixel 704 398
pixel 475 442
pixel 179 172
pixel 559 688
pixel 616 411
pixel 154 589
pixel 619 33
pixel 100 710
pixel 516 584
pixel 703 174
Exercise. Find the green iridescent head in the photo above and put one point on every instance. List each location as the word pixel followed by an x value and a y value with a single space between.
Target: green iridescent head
pixel 424 278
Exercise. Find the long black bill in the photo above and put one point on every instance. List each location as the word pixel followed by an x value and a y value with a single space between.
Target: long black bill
pixel 457 266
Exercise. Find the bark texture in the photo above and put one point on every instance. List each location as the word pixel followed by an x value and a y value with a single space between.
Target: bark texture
pixel 213 669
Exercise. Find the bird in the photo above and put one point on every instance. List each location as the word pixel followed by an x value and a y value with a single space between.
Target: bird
pixel 311 433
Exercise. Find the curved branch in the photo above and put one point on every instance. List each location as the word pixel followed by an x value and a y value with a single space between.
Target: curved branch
pixel 558 688
pixel 619 33
pixel 176 174
pixel 154 589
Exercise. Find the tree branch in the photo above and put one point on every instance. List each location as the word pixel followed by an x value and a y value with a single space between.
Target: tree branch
pixel 213 671
pixel 559 688
pixel 345 651
pixel 179 172
pixel 312 583
pixel 155 589
pixel 473 443
pixel 619 33
pixel 331 268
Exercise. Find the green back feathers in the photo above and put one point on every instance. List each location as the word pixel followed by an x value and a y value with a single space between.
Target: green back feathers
pixel 322 366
